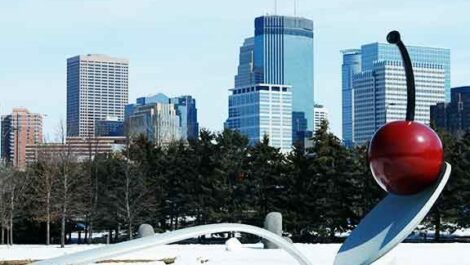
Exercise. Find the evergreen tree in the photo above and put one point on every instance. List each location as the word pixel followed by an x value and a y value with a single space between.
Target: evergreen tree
pixel 267 173
pixel 332 183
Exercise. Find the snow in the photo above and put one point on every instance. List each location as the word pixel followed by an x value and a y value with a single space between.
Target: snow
pixel 319 254
pixel 233 244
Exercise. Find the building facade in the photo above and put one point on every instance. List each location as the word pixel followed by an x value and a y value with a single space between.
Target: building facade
pixel 454 116
pixel 320 113
pixel 380 95
pixel 158 122
pixel 350 67
pixel 263 109
pixel 186 110
pixel 97 87
pixel 187 113
pixel 111 126
pixel 378 90
pixel 375 52
pixel 281 53
pixel 19 129
pixel 76 148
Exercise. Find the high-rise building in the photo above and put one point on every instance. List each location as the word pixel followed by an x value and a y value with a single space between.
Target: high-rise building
pixel 158 122
pixel 374 52
pixel 351 66
pixel 281 53
pixel 245 73
pixel 187 113
pixel 262 109
pixel 380 95
pixel 20 128
pixel 320 113
pixel 377 92
pixel 185 107
pixel 97 87
pixel 454 117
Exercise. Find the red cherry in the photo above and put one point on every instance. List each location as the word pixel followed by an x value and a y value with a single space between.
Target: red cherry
pixel 405 157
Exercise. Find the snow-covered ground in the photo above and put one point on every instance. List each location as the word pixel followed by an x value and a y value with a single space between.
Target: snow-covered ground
pixel 319 254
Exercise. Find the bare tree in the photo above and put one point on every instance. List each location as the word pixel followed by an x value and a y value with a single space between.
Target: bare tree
pixel 93 190
pixel 68 178
pixel 13 183
pixel 131 192
pixel 44 183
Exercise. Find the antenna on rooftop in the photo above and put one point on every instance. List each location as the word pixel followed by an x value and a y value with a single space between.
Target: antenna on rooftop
pixel 275 7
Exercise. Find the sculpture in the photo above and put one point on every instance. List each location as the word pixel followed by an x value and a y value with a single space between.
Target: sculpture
pixel 415 184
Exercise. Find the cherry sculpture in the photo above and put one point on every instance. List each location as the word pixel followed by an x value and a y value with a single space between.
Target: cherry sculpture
pixel 406 156
pixel 406 159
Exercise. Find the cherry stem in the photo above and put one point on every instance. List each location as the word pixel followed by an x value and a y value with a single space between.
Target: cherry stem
pixel 394 38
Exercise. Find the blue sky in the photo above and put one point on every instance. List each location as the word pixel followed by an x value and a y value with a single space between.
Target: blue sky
pixel 191 47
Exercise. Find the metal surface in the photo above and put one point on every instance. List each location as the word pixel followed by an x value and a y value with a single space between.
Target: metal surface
pixel 388 224
pixel 101 253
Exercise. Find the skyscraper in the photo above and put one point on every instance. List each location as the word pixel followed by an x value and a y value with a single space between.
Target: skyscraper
pixel 158 122
pixel 281 54
pixel 184 106
pixel 284 55
pixel 20 128
pixel 454 117
pixel 187 113
pixel 375 52
pixel 351 66
pixel 378 91
pixel 260 110
pixel 97 88
pixel 320 113
pixel 380 95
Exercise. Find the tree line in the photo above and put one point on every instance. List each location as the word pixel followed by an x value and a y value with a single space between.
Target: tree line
pixel 321 191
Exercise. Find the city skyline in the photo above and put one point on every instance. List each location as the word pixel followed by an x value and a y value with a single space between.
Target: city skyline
pixel 33 72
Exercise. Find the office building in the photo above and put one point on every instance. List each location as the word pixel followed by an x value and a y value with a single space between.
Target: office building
pixel 158 122
pixel 454 116
pixel 77 149
pixel 19 129
pixel 377 93
pixel 263 109
pixel 320 113
pixel 380 95
pixel 97 87
pixel 185 108
pixel 187 113
pixel 351 66
pixel 281 54
pixel 111 126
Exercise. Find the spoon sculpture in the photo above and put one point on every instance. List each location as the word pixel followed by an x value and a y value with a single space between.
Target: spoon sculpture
pixel 406 159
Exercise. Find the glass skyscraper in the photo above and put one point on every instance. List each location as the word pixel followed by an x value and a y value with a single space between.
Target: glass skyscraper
pixel 187 112
pixel 377 93
pixel 281 54
pixel 158 122
pixel 351 66
pixel 184 107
